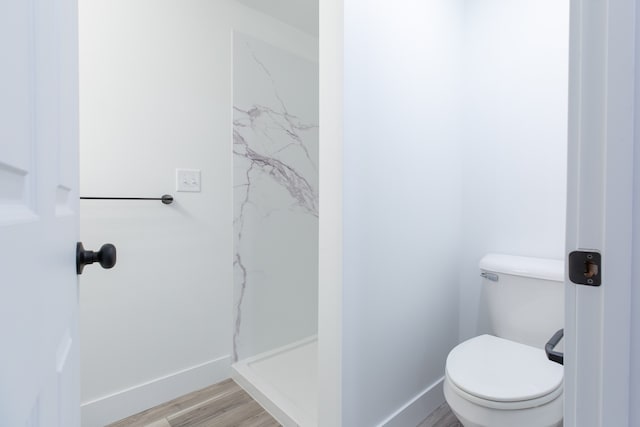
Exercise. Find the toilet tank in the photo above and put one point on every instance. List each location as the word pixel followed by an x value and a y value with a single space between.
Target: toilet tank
pixel 525 297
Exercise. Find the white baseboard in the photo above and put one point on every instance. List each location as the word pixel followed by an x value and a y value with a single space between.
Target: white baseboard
pixel 418 408
pixel 107 409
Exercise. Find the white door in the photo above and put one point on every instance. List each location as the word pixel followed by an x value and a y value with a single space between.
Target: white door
pixel 599 214
pixel 39 366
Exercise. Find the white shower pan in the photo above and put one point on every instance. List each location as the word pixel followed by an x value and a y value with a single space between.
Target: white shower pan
pixel 284 381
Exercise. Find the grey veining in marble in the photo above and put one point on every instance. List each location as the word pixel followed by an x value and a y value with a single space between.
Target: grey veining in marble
pixel 285 175
pixel 275 136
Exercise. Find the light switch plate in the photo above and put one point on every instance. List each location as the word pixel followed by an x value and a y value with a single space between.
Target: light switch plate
pixel 188 180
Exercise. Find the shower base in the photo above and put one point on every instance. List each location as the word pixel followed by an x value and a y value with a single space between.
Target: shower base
pixel 284 381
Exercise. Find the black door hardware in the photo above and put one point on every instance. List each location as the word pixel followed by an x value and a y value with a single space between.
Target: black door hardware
pixel 555 356
pixel 106 256
pixel 585 268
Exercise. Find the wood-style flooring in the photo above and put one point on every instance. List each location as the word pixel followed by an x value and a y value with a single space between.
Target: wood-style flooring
pixel 221 405
pixel 226 405
pixel 441 417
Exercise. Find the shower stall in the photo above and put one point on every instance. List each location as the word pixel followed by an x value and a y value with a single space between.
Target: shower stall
pixel 275 167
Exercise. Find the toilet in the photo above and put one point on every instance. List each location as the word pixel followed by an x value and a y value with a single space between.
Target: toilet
pixel 505 379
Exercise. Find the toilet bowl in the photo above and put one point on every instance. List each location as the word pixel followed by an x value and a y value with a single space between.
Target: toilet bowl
pixel 506 380
pixel 493 382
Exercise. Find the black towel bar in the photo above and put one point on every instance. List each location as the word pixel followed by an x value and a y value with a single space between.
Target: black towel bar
pixel 167 199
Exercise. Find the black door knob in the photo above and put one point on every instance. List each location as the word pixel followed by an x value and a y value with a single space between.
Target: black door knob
pixel 106 256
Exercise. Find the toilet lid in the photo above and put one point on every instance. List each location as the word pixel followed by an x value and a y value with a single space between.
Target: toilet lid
pixel 500 370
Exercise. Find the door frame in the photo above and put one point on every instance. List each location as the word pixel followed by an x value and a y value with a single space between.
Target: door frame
pixel 599 210
pixel 331 82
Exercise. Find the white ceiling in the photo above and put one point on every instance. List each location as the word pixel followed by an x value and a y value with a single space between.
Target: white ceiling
pixel 302 14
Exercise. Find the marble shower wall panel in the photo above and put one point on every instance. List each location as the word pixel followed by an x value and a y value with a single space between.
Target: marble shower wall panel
pixel 275 155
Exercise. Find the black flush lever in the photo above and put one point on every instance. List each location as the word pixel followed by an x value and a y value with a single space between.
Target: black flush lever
pixel 549 348
pixel 106 256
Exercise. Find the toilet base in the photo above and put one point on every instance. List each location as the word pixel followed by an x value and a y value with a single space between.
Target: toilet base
pixel 473 415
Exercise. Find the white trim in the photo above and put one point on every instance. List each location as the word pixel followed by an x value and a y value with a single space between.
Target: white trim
pixel 121 404
pixel 601 132
pixel 417 409
pixel 618 225
pixel 634 378
pixel 331 65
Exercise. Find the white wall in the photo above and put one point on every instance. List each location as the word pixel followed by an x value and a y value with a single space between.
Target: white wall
pixel 514 138
pixel 155 88
pixel 454 145
pixel 401 205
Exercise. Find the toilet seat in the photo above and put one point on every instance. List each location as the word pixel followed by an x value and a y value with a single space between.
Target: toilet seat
pixel 502 374
pixel 524 404
pixel 473 415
